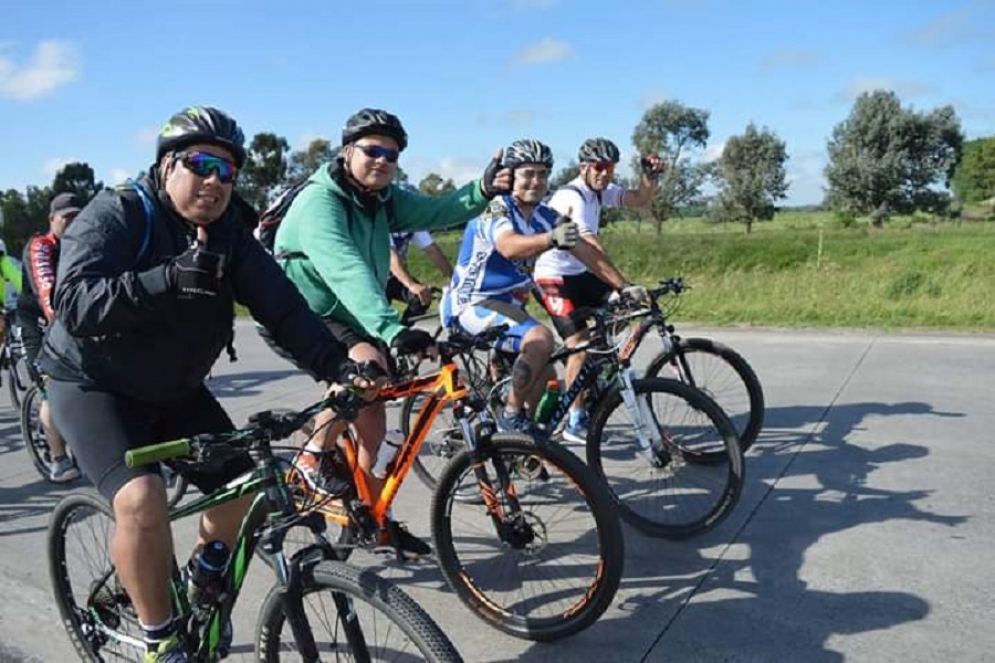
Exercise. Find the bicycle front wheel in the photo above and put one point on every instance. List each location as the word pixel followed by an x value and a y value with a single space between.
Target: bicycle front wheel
pixel 382 624
pixel 664 491
pixel 95 609
pixel 724 375
pixel 541 556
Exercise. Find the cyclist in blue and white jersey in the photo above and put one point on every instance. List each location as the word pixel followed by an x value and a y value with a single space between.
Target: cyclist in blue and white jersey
pixel 493 277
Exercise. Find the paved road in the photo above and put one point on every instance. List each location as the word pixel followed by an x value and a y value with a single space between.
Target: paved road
pixel 861 536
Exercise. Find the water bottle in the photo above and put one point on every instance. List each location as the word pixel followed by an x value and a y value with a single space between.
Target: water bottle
pixel 392 442
pixel 547 403
pixel 206 582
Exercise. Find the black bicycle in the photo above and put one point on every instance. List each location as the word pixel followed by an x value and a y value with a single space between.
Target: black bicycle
pixel 668 453
pixel 13 364
pixel 319 608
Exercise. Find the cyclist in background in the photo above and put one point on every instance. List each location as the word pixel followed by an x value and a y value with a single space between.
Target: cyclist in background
pixel 35 313
pixel 401 285
pixel 572 288
pixel 10 274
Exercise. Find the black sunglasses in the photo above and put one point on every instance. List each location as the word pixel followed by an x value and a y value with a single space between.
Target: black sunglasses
pixel 377 152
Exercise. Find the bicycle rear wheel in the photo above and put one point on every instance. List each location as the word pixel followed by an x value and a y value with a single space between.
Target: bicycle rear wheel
pixel 95 609
pixel 555 562
pixel 724 375
pixel 666 492
pixel 33 433
pixel 383 620
pixel 18 380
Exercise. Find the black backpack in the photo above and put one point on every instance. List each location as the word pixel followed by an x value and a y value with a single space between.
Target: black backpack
pixel 272 216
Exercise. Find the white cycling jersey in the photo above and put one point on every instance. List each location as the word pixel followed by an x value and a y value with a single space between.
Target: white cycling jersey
pixel 576 200
pixel 400 241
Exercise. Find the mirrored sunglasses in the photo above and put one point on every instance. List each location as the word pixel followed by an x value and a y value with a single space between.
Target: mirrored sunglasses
pixel 203 164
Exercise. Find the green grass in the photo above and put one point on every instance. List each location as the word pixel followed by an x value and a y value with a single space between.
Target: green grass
pixel 913 274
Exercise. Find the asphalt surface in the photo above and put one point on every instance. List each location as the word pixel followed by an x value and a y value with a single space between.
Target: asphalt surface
pixel 861 534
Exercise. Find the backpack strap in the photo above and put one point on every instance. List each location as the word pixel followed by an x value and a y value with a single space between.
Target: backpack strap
pixel 571 187
pixel 148 209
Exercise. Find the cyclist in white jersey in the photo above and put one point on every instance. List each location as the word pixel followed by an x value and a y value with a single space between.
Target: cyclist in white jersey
pixel 493 277
pixel 402 286
pixel 571 287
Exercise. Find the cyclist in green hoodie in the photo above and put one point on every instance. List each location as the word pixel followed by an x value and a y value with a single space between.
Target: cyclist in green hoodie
pixel 334 244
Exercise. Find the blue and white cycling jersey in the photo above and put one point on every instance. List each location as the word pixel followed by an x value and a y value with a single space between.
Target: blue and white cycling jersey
pixel 481 271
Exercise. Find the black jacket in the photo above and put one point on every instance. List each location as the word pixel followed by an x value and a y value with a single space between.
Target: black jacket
pixel 119 326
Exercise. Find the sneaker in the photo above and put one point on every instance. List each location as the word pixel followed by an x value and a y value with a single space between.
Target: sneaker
pixel 170 650
pixel 517 422
pixel 63 470
pixel 404 540
pixel 316 470
pixel 576 429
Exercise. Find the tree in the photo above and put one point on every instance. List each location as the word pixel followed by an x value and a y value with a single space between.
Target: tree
pixel 885 159
pixel 77 178
pixel 974 178
pixel 303 163
pixel 23 216
pixel 675 132
pixel 567 173
pixel 433 185
pixel 265 169
pixel 751 176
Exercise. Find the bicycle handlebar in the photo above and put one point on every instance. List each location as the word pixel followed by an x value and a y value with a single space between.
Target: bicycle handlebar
pixel 263 426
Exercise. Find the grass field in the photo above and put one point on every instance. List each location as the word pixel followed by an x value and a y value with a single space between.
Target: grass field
pixel 806 269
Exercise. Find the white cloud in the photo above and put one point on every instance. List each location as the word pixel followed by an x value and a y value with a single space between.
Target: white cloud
pixel 713 151
pixel 52 65
pixel 954 28
pixel 146 137
pixel 547 50
pixel 795 57
pixel 117 176
pixel 862 84
pixel 55 164
pixel 460 169
pixel 653 97
pixel 525 5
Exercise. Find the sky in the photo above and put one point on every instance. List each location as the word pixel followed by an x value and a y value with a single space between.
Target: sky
pixel 93 81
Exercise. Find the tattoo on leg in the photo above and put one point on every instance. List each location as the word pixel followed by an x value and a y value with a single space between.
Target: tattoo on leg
pixel 521 375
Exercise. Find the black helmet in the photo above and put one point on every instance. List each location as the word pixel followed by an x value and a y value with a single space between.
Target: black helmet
pixel 201 124
pixel 528 150
pixel 598 149
pixel 370 121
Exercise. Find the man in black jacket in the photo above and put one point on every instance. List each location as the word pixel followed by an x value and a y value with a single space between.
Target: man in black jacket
pixel 144 296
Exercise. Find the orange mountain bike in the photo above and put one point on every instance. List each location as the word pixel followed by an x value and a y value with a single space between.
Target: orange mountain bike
pixel 537 550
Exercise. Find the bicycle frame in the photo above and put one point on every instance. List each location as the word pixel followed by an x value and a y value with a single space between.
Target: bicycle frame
pixel 272 499
pixel 441 386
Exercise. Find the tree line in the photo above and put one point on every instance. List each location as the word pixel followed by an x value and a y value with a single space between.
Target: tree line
pixel 884 159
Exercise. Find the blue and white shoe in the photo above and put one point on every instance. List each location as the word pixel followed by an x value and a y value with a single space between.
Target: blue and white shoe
pixel 576 430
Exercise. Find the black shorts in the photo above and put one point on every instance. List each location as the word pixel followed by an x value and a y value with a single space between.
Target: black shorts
pixel 99 427
pixel 570 300
pixel 396 292
pixel 344 334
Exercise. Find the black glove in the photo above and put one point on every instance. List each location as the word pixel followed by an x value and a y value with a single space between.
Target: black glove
pixel 412 341
pixel 349 370
pixel 649 169
pixel 196 272
pixel 487 181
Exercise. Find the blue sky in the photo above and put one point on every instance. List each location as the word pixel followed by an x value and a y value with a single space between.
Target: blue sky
pixel 92 81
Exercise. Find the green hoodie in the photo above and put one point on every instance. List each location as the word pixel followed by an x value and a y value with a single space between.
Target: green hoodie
pixel 343 274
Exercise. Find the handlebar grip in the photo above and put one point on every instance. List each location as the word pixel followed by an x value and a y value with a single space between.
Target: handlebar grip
pixel 153 453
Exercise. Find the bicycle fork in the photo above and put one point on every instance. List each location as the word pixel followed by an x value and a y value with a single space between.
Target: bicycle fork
pixel 509 521
pixel 648 436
